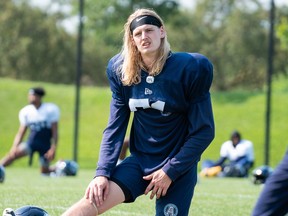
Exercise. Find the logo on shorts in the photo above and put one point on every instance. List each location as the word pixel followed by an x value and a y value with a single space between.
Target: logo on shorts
pixel 170 210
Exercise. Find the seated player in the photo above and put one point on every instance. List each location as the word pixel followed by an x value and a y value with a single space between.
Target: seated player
pixel 240 156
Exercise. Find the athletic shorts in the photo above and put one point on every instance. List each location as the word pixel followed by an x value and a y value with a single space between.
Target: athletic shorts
pixel 28 150
pixel 129 176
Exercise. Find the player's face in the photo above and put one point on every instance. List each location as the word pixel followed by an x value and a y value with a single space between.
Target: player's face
pixel 235 140
pixel 33 98
pixel 147 38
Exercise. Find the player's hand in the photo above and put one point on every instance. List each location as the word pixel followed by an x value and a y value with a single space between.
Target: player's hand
pixel 159 184
pixel 50 154
pixel 97 191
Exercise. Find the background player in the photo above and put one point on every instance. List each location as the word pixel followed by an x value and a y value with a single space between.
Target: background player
pixel 42 120
pixel 240 156
pixel 172 123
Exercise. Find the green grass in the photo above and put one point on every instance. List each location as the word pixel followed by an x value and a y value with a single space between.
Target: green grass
pixel 213 196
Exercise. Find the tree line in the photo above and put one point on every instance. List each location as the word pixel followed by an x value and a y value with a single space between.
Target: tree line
pixel 233 34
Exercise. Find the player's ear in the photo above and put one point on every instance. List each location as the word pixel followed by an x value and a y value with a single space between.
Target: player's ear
pixel 162 32
pixel 132 40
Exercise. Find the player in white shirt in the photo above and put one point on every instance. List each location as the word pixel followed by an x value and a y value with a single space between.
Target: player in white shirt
pixel 237 150
pixel 42 120
pixel 240 154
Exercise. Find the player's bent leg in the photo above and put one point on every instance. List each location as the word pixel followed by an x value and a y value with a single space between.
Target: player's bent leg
pixel 85 208
pixel 82 208
pixel 115 197
pixel 11 156
pixel 179 196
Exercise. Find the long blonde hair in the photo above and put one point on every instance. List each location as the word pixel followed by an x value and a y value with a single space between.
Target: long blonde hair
pixel 130 70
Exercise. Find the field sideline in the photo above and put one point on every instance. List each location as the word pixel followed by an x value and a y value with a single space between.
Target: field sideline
pixel 213 197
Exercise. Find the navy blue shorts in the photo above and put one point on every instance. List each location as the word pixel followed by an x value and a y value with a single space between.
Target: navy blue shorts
pixel 273 199
pixel 44 162
pixel 129 176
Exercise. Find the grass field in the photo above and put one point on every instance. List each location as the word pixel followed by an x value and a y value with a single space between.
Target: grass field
pixel 213 196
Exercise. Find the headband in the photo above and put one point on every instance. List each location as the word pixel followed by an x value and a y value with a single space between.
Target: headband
pixel 144 19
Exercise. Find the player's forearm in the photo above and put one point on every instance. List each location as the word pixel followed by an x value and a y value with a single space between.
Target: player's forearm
pixel 199 138
pixel 189 155
pixel 55 136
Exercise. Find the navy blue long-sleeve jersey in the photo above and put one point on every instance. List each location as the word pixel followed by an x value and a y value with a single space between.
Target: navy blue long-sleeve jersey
pixel 172 122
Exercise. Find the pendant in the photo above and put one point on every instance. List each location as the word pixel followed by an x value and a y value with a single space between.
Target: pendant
pixel 150 79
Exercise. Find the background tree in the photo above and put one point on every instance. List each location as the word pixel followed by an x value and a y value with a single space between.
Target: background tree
pixel 235 45
pixel 282 35
pixel 33 46
pixel 233 34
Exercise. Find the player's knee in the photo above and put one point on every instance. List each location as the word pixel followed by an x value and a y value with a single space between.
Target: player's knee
pixel 82 208
pixel 11 156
